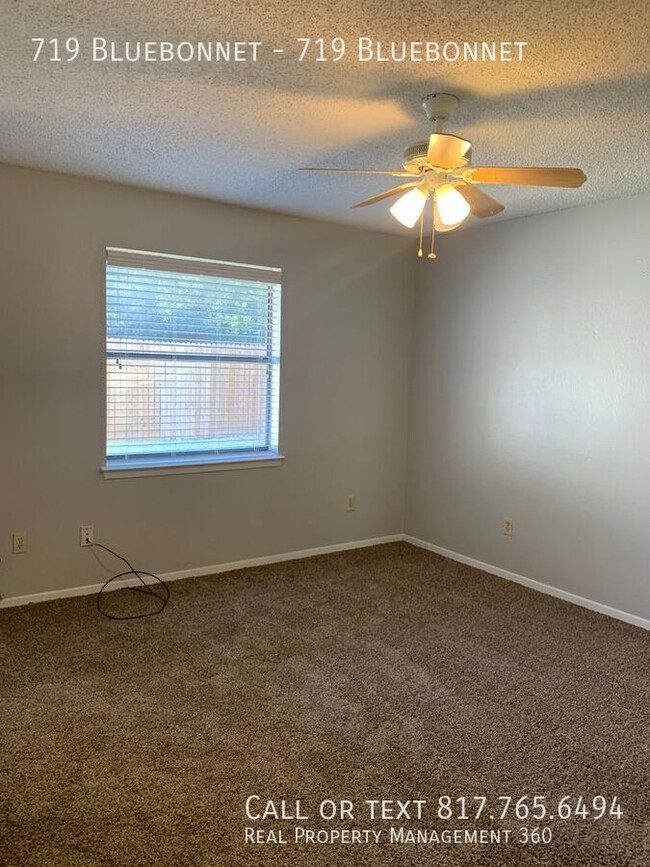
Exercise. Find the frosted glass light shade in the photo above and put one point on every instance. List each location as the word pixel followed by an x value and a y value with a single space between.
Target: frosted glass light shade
pixel 438 224
pixel 452 207
pixel 407 208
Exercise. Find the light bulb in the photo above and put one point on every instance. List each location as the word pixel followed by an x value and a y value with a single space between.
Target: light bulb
pixel 407 208
pixel 452 207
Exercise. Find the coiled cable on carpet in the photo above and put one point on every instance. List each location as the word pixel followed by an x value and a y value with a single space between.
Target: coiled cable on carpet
pixel 163 596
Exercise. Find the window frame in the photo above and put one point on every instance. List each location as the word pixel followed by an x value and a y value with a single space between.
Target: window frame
pixel 207 460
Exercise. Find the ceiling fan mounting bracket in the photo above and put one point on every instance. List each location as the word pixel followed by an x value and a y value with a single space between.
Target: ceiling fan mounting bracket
pixel 439 107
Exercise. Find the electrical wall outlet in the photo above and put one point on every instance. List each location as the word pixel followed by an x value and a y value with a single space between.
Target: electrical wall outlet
pixel 19 543
pixel 508 527
pixel 351 503
pixel 86 535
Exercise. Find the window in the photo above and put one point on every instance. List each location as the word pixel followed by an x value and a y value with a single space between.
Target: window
pixel 192 361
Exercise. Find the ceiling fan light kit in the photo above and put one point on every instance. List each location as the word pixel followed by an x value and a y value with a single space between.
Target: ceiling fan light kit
pixel 440 170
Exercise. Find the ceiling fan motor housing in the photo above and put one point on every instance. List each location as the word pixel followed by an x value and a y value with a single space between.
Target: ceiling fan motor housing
pixel 415 157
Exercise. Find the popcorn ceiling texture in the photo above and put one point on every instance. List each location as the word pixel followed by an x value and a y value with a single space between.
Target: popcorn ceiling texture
pixel 238 132
pixel 385 672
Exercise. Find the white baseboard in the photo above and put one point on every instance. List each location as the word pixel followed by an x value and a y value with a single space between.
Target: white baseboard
pixel 529 582
pixel 215 569
pixel 90 589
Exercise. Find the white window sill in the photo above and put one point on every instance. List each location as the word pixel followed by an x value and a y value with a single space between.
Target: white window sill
pixel 136 468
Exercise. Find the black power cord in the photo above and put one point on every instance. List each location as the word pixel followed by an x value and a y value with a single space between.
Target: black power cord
pixel 163 597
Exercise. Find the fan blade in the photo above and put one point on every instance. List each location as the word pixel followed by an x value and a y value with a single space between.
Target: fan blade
pixel 535 177
pixel 480 204
pixel 387 194
pixel 447 151
pixel 358 171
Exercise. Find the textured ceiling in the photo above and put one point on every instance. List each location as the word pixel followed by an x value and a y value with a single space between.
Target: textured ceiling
pixel 238 132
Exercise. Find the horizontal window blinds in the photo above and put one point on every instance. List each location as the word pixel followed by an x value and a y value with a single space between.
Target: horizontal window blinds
pixel 192 359
pixel 121 258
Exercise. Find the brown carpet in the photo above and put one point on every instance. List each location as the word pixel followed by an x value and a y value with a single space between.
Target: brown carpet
pixel 386 672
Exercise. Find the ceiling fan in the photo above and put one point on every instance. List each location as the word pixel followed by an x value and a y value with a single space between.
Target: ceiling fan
pixel 440 171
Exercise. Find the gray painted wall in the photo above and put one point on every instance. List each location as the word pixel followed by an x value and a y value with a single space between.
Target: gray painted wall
pixel 529 355
pixel 530 399
pixel 345 320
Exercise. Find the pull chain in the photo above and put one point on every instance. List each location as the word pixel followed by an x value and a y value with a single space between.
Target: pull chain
pixel 420 253
pixel 432 255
